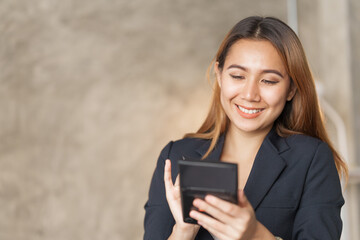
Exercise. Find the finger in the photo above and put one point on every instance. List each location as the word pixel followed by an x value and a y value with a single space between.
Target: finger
pixel 243 201
pixel 216 233
pixel 225 206
pixel 167 175
pixel 216 227
pixel 231 224
pixel 212 210
pixel 177 181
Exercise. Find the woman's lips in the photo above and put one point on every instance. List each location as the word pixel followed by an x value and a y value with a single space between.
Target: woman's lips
pixel 249 112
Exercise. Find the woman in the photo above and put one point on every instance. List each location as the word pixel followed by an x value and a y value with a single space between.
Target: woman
pixel 265 117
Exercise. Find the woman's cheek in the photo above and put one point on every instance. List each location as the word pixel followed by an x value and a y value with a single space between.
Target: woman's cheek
pixel 230 90
pixel 274 98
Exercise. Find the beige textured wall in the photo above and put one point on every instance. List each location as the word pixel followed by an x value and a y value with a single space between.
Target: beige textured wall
pixel 90 91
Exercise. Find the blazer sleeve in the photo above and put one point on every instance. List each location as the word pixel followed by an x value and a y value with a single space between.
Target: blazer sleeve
pixel 318 216
pixel 158 222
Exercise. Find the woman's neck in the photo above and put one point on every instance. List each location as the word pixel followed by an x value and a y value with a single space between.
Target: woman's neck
pixel 242 146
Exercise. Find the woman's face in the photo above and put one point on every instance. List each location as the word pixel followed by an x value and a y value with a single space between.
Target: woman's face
pixel 254 85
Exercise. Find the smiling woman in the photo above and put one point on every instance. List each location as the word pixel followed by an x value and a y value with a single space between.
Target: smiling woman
pixel 264 117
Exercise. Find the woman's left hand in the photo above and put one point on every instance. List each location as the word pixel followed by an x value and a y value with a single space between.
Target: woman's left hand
pixel 229 221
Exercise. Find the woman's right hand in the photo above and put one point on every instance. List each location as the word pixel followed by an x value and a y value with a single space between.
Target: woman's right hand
pixel 181 229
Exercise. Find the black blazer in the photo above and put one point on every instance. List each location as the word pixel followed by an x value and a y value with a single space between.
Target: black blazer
pixel 293 187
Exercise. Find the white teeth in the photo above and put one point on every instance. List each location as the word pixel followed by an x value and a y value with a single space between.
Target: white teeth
pixel 249 111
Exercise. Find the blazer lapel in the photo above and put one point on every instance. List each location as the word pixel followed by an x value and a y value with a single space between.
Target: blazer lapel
pixel 267 166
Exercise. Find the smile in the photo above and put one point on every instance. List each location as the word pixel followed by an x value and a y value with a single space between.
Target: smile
pixel 249 111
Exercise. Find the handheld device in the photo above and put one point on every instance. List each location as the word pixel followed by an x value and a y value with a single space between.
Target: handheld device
pixel 199 178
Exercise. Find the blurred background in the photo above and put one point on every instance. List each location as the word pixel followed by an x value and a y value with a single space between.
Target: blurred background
pixel 92 90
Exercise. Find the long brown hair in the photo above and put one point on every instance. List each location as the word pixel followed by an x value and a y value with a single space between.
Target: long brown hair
pixel 301 115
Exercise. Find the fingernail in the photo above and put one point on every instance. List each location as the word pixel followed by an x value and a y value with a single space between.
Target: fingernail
pixel 209 198
pixel 192 213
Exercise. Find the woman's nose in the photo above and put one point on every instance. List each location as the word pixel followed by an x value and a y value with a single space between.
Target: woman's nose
pixel 250 91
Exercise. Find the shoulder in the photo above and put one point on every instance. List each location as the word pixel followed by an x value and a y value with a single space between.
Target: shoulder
pixel 189 144
pixel 183 147
pixel 308 150
pixel 301 141
pixel 295 144
pixel 302 138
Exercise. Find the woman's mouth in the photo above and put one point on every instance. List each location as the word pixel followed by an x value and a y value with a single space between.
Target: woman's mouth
pixel 249 113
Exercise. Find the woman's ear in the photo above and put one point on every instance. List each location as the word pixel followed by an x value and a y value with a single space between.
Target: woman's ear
pixel 292 91
pixel 217 73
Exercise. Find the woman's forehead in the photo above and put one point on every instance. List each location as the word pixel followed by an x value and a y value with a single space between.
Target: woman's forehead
pixel 259 54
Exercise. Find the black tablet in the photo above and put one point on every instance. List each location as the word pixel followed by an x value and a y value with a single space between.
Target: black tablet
pixel 199 178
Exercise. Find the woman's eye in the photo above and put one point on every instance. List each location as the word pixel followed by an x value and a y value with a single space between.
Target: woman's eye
pixel 270 82
pixel 237 76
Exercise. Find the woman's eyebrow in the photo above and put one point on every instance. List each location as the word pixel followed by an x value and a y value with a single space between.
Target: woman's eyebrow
pixel 273 71
pixel 263 71
pixel 238 66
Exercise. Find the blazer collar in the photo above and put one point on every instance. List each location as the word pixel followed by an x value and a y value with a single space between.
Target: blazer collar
pixel 268 164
